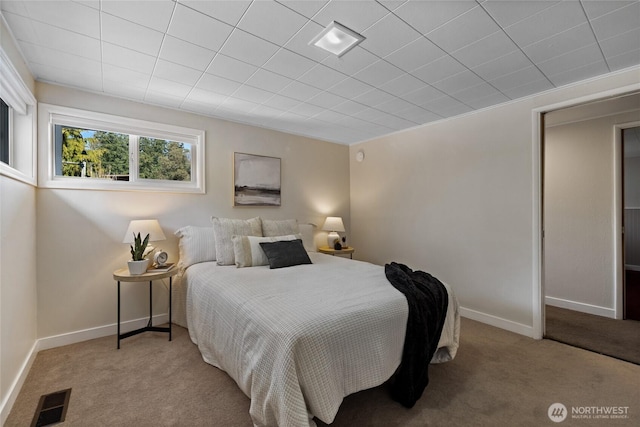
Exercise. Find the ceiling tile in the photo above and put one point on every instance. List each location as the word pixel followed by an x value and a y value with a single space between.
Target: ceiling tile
pixel 248 48
pixel 477 25
pixel 518 78
pixel 402 85
pixel 217 84
pixel 371 115
pixel 229 11
pixel 483 90
pixel 271 21
pixel 351 14
pixel 127 58
pixel 507 64
pixel 153 14
pixel 509 12
pixel 491 47
pixel 289 64
pixel 21 27
pixel 426 16
pixel 326 100
pixel 124 90
pixel 446 106
pixel 393 106
pixel 176 72
pixel 74 43
pixel 395 123
pixel 618 45
pixel 350 107
pixel 547 23
pixel 86 20
pixel 572 39
pixel 131 77
pixel 392 4
pixel 231 68
pixel 378 73
pixel 415 54
pixel 163 98
pixel 198 28
pixel 568 61
pixel 13 6
pixel 529 88
pixel 205 96
pixel 252 94
pixel 457 82
pixel 487 101
pixel 439 69
pixel 307 110
pixel 282 102
pixel 350 88
pixel 617 22
pixel 356 60
pixel 329 116
pixel 595 9
pixel 185 53
pixel 388 35
pixel 132 36
pixel 306 8
pixel 238 106
pixel 627 59
pixel 267 80
pixel 299 91
pixel 418 115
pixel 322 77
pixel 76 79
pixel 374 97
pixel 422 95
pixel 62 60
pixel 581 72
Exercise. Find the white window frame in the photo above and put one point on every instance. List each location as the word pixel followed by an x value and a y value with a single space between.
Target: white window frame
pixel 22 124
pixel 51 115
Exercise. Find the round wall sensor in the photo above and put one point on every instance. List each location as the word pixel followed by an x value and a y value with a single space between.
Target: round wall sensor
pixel 360 156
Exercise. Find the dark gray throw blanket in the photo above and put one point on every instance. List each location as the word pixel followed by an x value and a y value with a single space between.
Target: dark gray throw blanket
pixel 428 300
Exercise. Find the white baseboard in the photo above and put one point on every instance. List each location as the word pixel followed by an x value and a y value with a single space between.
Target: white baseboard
pixel 12 394
pixel 581 307
pixel 66 339
pixel 498 322
pixel 99 332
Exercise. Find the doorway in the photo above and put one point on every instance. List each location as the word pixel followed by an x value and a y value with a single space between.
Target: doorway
pixel 583 267
pixel 631 221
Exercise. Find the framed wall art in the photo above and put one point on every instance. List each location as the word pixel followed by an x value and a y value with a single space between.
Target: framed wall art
pixel 256 180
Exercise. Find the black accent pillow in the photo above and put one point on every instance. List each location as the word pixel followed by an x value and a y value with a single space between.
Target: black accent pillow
pixel 285 253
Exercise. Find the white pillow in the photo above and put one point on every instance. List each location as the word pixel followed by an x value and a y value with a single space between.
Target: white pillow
pixel 283 227
pixel 248 252
pixel 225 228
pixel 196 244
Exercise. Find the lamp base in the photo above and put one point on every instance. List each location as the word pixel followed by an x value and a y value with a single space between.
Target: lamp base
pixel 331 239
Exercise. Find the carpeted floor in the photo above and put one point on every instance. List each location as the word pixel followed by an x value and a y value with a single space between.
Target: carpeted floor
pixel 498 378
pixel 615 338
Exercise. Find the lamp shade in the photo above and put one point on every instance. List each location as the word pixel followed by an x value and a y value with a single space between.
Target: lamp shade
pixel 333 223
pixel 144 227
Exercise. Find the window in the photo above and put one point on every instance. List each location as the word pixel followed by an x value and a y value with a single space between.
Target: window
pixel 4 132
pixel 99 151
pixel 17 125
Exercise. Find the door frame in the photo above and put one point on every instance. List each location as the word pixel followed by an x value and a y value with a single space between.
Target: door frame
pixel 618 158
pixel 537 187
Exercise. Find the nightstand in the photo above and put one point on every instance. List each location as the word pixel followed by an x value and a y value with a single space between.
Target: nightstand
pixel 330 251
pixel 123 275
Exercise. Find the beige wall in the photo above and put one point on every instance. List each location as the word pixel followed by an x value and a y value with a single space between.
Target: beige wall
pixel 458 198
pixel 579 215
pixel 80 231
pixel 18 307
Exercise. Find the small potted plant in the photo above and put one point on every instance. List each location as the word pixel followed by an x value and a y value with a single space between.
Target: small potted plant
pixel 138 264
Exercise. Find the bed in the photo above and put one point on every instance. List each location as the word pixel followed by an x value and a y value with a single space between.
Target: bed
pixel 298 340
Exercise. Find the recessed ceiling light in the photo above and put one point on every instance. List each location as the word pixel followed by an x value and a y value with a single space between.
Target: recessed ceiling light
pixel 337 39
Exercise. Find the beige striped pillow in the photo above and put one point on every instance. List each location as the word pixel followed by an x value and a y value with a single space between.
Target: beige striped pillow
pixel 282 227
pixel 247 250
pixel 196 244
pixel 225 228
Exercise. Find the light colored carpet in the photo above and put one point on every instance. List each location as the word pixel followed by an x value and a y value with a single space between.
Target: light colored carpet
pixel 498 378
pixel 615 338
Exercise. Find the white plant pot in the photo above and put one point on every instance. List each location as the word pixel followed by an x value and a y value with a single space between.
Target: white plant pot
pixel 138 267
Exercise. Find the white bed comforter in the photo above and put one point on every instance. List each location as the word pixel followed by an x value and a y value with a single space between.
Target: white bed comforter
pixel 298 340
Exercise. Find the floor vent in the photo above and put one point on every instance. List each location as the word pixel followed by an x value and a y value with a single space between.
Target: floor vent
pixel 52 408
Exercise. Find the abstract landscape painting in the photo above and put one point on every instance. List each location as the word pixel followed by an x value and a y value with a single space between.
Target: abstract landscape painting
pixel 256 180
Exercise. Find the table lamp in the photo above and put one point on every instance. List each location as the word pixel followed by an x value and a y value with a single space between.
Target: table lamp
pixel 333 224
pixel 144 227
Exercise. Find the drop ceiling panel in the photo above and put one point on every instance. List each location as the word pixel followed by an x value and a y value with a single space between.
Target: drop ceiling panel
pixel 271 21
pixel 251 61
pixel 153 14
pixel 185 53
pixel 198 28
